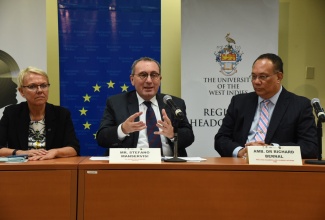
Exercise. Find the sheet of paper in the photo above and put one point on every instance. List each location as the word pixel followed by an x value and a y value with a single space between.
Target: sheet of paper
pixel 189 159
pixel 99 158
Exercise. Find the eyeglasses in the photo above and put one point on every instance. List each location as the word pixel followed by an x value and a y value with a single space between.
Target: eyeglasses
pixel 34 87
pixel 153 76
pixel 261 77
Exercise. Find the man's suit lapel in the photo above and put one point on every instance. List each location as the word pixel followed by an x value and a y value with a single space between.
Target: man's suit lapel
pixel 161 103
pixel 250 111
pixel 133 107
pixel 277 115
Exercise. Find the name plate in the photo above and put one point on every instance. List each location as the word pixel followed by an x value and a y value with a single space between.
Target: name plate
pixel 134 155
pixel 274 155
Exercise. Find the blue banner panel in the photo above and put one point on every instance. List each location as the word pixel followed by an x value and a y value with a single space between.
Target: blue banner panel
pixel 98 42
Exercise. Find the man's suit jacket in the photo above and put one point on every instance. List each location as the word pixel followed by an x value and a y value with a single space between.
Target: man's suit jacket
pixel 14 126
pixel 120 107
pixel 292 124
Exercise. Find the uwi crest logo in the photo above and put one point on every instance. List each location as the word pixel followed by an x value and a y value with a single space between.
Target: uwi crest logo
pixel 228 57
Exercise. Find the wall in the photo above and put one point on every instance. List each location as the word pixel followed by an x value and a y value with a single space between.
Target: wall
pixel 53 50
pixel 301 44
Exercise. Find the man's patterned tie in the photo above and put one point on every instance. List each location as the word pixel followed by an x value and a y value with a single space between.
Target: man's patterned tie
pixel 151 121
pixel 263 121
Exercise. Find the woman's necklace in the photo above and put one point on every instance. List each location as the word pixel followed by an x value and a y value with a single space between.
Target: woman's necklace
pixel 36 119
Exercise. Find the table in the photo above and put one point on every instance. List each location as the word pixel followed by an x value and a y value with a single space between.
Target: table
pixel 39 189
pixel 218 188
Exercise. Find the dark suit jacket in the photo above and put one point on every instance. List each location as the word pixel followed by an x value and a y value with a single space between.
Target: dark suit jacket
pixel 14 126
pixel 292 124
pixel 120 107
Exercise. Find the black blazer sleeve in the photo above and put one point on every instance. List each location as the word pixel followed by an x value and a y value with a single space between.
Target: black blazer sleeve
pixel 59 128
pixel 236 124
pixel 118 109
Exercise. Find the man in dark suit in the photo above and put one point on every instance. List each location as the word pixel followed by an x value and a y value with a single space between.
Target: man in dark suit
pixel 290 118
pixel 123 124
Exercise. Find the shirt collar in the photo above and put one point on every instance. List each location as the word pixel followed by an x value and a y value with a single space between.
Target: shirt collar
pixel 273 99
pixel 153 100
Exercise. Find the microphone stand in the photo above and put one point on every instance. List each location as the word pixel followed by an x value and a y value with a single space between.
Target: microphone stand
pixel 319 160
pixel 175 158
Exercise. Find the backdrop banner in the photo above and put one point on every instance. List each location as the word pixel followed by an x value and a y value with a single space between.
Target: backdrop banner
pixel 98 42
pixel 22 44
pixel 220 41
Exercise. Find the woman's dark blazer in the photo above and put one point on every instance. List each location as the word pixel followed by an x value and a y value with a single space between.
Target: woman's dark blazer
pixel 14 126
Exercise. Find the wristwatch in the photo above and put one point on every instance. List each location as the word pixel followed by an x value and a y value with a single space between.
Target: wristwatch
pixel 14 152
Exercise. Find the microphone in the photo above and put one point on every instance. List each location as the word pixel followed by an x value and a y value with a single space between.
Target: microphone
pixel 176 110
pixel 318 109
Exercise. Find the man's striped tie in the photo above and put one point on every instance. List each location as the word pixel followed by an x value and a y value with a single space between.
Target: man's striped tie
pixel 263 121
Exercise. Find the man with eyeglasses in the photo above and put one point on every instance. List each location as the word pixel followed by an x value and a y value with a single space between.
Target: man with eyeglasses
pixel 269 116
pixel 123 124
pixel 37 128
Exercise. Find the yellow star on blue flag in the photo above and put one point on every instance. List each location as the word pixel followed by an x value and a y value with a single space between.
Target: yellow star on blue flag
pixel 124 88
pixel 96 88
pixel 110 84
pixel 87 125
pixel 86 98
pixel 83 111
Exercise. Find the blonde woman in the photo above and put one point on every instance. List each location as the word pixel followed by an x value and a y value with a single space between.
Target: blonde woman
pixel 34 127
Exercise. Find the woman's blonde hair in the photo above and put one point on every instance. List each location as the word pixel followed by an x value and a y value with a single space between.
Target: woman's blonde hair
pixel 28 71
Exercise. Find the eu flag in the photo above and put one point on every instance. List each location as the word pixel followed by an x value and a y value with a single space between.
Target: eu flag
pixel 98 42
